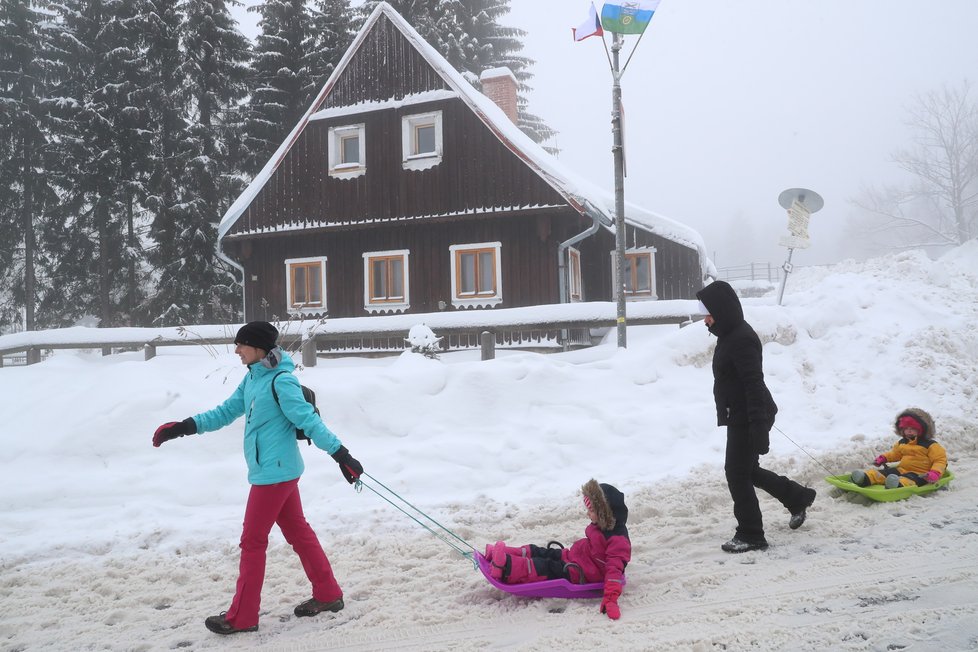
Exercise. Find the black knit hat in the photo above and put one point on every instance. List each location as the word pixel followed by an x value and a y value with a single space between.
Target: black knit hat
pixel 259 334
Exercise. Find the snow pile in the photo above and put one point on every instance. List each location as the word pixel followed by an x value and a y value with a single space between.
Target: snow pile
pixel 106 542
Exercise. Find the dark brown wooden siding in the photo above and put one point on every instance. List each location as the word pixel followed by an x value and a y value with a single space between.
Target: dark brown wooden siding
pixel 677 267
pixel 528 258
pixel 477 173
pixel 528 252
pixel 385 66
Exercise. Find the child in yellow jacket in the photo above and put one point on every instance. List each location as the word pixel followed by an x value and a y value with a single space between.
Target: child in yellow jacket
pixel 921 459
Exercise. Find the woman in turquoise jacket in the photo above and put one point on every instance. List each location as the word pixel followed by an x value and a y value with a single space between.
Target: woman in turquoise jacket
pixel 274 467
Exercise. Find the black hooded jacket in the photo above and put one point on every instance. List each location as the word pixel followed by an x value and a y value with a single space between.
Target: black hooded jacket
pixel 741 396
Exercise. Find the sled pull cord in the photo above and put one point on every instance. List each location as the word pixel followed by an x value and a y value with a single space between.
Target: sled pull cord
pixel 467 554
pixel 799 447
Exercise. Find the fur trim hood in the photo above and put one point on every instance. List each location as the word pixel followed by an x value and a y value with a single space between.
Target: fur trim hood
pixel 609 505
pixel 923 417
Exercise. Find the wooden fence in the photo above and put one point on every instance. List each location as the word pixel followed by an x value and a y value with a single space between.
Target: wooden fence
pixel 554 335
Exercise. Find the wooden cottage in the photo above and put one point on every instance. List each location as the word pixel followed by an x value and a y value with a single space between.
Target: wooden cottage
pixel 404 190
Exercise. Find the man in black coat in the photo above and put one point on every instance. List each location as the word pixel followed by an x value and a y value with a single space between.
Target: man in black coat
pixel 746 408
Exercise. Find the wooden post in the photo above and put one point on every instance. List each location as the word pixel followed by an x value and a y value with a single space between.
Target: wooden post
pixel 488 342
pixel 309 352
pixel 149 351
pixel 32 355
pixel 106 350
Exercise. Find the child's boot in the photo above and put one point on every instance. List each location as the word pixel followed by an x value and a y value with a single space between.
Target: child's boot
pixel 523 551
pixel 893 481
pixel 859 478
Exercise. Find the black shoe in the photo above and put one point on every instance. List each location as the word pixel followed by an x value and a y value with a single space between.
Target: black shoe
pixel 219 625
pixel 312 606
pixel 798 517
pixel 739 545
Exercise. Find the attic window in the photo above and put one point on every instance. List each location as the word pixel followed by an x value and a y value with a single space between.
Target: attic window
pixel 639 273
pixel 306 285
pixel 347 151
pixel 386 282
pixel 476 274
pixel 421 140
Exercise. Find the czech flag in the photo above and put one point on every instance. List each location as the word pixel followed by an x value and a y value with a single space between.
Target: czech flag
pixel 590 27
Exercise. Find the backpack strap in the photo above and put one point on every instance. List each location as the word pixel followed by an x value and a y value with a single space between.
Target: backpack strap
pixel 274 393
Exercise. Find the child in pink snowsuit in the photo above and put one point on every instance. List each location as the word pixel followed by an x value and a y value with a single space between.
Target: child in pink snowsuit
pixel 601 556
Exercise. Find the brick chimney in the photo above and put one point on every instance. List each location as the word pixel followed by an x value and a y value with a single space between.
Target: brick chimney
pixel 499 85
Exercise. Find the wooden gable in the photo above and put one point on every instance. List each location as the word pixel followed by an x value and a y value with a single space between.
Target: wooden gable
pixel 478 173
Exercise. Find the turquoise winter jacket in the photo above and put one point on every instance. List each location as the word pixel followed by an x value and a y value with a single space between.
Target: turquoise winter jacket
pixel 270 446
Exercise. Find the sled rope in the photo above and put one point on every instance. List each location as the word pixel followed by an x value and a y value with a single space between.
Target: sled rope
pixel 468 554
pixel 799 447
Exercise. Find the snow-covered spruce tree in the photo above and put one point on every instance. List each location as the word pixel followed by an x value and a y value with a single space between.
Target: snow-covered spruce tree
pixel 280 79
pixel 28 64
pixel 165 195
pixel 104 137
pixel 215 70
pixel 469 35
pixel 330 33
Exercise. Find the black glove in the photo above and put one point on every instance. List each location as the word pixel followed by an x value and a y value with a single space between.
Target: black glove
pixel 350 467
pixel 760 440
pixel 174 429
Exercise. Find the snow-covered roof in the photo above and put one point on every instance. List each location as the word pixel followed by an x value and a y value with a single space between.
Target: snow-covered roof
pixel 581 194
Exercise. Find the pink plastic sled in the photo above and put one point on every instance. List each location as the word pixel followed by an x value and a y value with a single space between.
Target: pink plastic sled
pixel 546 589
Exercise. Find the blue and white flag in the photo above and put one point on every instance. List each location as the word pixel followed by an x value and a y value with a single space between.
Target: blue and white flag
pixel 627 16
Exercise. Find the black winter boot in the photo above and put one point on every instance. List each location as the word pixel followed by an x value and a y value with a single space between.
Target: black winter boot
pixel 312 606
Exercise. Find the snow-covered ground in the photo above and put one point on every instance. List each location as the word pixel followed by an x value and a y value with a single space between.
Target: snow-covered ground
pixel 107 543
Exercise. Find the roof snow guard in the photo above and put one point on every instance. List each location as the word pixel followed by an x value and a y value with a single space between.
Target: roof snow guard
pixel 583 196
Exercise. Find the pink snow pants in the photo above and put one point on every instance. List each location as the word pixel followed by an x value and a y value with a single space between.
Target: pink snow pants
pixel 268 504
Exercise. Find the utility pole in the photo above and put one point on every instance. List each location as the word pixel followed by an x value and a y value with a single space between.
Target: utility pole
pixel 619 159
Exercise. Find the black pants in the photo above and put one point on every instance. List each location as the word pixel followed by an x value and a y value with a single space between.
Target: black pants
pixel 916 477
pixel 744 473
pixel 547 562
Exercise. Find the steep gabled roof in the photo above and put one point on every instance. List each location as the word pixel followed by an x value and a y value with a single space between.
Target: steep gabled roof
pixel 580 194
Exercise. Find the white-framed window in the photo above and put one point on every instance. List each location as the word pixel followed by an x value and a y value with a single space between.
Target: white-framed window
pixel 421 140
pixel 574 275
pixel 386 281
pixel 347 151
pixel 476 274
pixel 305 285
pixel 639 273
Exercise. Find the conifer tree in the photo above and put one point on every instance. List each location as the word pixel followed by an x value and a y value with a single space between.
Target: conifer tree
pixel 216 74
pixel 103 131
pixel 28 64
pixel 280 79
pixel 330 33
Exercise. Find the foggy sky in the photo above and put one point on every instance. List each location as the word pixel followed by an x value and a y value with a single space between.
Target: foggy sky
pixel 729 103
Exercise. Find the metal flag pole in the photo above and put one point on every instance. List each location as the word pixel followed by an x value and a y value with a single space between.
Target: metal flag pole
pixel 619 158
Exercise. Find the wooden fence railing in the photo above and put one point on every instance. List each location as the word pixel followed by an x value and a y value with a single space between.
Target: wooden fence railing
pixel 362 336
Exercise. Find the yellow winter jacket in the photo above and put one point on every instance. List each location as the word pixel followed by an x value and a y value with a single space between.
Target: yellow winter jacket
pixel 918 457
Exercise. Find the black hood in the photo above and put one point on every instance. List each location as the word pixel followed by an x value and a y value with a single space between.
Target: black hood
pixel 724 306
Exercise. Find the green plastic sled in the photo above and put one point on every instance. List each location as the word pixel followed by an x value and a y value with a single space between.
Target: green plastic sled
pixel 881 493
